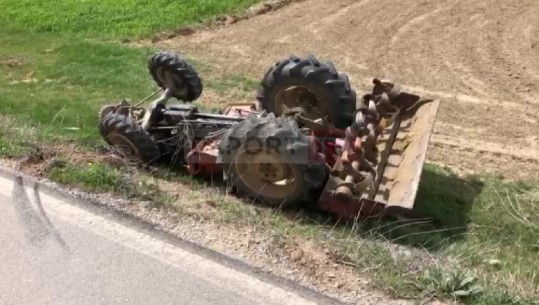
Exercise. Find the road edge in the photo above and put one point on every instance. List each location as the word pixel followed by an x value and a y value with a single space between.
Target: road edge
pixel 92 204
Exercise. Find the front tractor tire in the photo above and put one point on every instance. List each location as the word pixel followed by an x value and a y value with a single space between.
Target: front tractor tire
pixel 318 88
pixel 128 138
pixel 170 71
pixel 269 160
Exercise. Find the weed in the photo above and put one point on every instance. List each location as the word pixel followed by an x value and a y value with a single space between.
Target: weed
pixel 454 283
pixel 12 149
pixel 101 178
pixel 93 177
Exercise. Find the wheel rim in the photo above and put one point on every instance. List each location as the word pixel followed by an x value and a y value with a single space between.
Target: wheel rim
pixel 165 78
pixel 266 173
pixel 311 103
pixel 124 147
pixel 171 81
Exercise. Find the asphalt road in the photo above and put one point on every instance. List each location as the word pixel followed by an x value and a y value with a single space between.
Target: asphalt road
pixel 53 252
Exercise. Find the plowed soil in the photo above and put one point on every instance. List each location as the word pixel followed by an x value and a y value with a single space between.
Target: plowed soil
pixel 480 57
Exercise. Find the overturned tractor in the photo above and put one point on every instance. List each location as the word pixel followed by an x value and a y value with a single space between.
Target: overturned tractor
pixel 306 140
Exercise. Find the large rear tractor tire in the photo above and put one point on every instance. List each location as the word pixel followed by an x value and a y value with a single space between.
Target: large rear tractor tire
pixel 129 139
pixel 269 160
pixel 316 87
pixel 170 71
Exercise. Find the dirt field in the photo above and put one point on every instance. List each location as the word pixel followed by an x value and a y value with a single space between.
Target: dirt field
pixel 480 57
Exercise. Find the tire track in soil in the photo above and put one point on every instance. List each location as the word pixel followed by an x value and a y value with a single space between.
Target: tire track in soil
pixel 480 57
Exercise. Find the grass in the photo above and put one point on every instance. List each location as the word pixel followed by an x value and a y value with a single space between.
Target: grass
pixel 234 86
pixel 112 19
pixel 92 178
pixel 95 177
pixel 10 147
pixel 57 85
pixel 489 233
pixel 55 80
pixel 486 237
pixel 478 246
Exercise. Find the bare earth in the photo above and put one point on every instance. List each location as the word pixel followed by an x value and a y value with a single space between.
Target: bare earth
pixel 480 57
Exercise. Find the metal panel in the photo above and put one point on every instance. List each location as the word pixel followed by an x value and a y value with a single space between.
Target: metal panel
pixel 405 164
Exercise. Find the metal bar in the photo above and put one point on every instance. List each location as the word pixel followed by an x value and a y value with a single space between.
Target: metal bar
pixel 205 116
pixel 218 117
pixel 385 155
pixel 219 125
pixel 147 98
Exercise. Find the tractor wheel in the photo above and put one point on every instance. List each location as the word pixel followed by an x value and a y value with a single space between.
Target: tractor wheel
pixel 269 160
pixel 120 108
pixel 170 71
pixel 131 141
pixel 315 87
pixel 106 110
